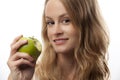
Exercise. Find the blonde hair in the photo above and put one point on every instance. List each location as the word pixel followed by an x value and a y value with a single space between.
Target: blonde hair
pixel 93 43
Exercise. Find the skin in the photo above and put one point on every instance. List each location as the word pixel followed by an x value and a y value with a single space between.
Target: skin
pixel 21 65
pixel 62 36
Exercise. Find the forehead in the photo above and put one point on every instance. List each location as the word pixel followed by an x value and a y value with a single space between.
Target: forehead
pixel 54 8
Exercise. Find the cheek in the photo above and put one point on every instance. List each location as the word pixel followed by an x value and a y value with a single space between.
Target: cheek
pixel 49 34
pixel 75 35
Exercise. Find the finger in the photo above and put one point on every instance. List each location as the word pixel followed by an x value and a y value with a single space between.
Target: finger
pixel 20 55
pixel 17 45
pixel 16 39
pixel 22 62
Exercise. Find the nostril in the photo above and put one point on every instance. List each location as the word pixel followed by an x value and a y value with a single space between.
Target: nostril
pixel 58 31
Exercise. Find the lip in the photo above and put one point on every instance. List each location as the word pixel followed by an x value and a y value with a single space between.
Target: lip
pixel 60 41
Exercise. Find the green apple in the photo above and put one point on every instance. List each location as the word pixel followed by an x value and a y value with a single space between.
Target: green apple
pixel 33 47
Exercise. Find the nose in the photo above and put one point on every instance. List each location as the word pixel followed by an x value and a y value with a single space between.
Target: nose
pixel 57 29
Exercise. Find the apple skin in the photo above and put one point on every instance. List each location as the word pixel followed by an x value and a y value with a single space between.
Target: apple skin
pixel 31 47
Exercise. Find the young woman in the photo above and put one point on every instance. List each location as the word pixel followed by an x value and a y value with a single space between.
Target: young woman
pixel 75 44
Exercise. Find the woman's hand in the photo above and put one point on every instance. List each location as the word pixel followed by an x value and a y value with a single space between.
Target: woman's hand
pixel 21 65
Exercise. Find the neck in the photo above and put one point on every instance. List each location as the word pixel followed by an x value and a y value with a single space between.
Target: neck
pixel 66 63
pixel 65 60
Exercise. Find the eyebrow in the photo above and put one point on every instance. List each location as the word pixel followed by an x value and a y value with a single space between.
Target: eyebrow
pixel 62 15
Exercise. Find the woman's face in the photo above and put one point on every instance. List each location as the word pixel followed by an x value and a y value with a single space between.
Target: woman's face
pixel 60 31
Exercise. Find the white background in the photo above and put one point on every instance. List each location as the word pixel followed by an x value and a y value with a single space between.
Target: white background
pixel 24 17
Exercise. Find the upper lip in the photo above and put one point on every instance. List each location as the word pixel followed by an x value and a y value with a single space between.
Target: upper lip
pixel 60 39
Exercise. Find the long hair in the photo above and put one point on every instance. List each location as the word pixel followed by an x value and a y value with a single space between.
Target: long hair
pixel 91 51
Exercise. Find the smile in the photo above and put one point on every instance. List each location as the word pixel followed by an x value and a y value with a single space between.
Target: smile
pixel 60 41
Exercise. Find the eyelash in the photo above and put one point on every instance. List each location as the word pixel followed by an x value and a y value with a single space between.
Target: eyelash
pixel 66 21
pixel 50 22
pixel 63 21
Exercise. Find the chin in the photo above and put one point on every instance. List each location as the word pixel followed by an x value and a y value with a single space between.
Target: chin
pixel 62 51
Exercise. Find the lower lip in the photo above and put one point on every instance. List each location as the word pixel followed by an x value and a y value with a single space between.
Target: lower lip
pixel 60 42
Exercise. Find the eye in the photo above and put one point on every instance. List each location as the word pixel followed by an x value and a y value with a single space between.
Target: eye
pixel 50 23
pixel 66 21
